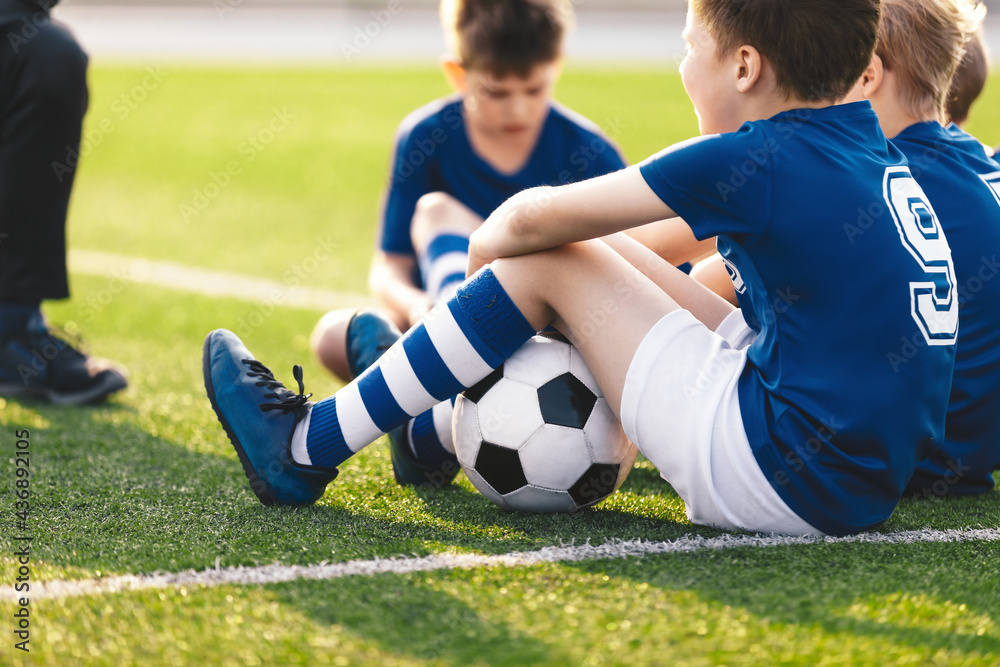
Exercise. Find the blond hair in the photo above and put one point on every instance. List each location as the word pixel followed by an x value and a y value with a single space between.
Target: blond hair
pixel 923 42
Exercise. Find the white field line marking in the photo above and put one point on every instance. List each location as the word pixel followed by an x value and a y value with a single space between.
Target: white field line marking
pixel 208 283
pixel 276 573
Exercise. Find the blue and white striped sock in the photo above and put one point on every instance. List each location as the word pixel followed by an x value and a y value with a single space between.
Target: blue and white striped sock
pixel 443 266
pixel 429 435
pixel 455 346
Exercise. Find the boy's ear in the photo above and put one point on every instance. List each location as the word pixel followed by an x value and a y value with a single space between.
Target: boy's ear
pixel 873 77
pixel 750 68
pixel 454 72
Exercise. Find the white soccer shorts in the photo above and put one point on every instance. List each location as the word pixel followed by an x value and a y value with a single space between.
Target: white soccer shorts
pixel 681 408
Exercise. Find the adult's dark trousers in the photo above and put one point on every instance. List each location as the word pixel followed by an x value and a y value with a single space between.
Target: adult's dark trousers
pixel 43 98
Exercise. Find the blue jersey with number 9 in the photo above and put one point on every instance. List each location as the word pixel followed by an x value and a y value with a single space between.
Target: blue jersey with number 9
pixel 842 267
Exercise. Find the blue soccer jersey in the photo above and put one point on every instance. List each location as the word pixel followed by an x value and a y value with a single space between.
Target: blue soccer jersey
pixel 433 154
pixel 842 269
pixel 963 186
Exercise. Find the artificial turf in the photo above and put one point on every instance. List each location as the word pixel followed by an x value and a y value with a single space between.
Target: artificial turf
pixel 149 481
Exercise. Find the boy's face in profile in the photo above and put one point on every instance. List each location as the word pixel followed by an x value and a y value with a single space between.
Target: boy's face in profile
pixel 510 107
pixel 706 80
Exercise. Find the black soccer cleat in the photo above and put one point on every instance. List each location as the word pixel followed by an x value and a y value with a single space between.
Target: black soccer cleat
pixel 38 363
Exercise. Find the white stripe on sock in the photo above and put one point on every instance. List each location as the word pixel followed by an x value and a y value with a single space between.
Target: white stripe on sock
pixel 356 424
pixel 455 349
pixel 405 387
pixel 443 267
pixel 442 424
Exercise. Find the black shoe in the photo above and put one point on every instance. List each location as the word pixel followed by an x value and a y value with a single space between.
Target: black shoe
pixel 38 363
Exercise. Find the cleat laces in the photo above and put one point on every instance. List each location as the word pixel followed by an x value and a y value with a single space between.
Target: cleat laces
pixel 287 400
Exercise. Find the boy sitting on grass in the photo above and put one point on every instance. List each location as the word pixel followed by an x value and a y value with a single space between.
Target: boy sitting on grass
pixel 454 162
pixel 921 44
pixel 786 416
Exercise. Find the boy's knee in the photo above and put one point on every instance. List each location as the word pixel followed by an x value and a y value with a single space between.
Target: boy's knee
pixel 329 342
pixel 436 211
pixel 552 265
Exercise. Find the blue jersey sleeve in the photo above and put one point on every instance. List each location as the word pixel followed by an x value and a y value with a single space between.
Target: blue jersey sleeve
pixel 719 184
pixel 409 180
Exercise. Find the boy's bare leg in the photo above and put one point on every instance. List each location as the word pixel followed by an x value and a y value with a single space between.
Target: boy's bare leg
pixel 712 274
pixel 440 233
pixel 439 213
pixel 596 296
pixel 705 304
pixel 605 306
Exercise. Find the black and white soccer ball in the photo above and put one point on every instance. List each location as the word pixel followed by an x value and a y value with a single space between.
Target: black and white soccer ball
pixel 537 435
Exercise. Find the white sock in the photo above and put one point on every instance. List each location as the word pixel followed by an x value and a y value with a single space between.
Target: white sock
pixel 300 454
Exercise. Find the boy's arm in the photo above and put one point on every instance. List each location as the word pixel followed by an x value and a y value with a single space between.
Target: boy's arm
pixel 548 217
pixel 390 281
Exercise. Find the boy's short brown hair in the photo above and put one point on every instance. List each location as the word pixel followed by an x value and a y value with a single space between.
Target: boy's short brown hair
pixel 506 36
pixel 970 78
pixel 922 42
pixel 818 48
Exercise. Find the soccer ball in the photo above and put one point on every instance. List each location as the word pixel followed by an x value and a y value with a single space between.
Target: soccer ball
pixel 537 435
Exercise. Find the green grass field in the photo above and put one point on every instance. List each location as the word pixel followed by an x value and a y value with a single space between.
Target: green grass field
pixel 149 482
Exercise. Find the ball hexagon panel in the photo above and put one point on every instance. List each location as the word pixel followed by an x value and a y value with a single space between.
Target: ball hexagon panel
pixel 545 501
pixel 555 457
pixel 538 360
pixel 500 467
pixel 599 481
pixel 509 414
pixel 566 401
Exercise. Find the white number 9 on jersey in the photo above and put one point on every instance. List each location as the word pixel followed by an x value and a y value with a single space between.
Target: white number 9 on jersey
pixel 933 303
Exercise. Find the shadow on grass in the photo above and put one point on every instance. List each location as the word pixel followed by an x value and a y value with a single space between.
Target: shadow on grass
pixel 408 617
pixel 118 490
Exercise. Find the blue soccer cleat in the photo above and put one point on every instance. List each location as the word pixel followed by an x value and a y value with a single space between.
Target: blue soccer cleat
pixel 369 335
pixel 259 415
pixel 408 471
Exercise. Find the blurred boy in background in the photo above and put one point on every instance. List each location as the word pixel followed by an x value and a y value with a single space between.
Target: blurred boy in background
pixel 455 160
